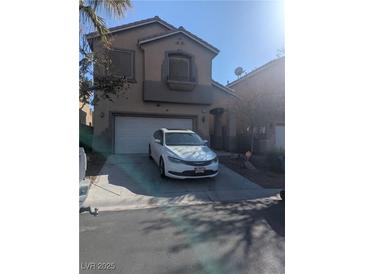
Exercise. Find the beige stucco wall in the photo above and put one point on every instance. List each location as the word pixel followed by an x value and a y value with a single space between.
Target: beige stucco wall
pixel 225 101
pixel 269 83
pixel 148 62
pixel 154 53
pixel 128 39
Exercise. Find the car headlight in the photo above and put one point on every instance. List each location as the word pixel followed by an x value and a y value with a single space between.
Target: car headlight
pixel 174 160
pixel 215 160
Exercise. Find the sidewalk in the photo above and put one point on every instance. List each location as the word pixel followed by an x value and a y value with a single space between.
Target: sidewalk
pixel 107 198
pixel 111 198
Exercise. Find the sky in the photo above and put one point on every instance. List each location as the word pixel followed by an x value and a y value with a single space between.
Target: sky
pixel 247 33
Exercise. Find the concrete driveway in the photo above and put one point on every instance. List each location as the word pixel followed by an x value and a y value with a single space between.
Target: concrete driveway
pixel 133 181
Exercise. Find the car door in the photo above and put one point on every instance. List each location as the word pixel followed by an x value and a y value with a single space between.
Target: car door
pixel 155 147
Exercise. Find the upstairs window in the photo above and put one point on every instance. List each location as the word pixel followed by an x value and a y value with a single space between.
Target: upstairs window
pixel 122 63
pixel 179 68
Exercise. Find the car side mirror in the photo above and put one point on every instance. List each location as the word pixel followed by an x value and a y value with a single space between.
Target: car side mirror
pixel 158 141
pixel 205 142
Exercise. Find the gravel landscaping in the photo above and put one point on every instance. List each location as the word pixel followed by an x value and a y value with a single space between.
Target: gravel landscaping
pixel 262 176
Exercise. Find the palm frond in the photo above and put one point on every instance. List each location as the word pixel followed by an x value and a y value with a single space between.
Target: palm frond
pixel 90 12
pixel 88 15
pixel 114 8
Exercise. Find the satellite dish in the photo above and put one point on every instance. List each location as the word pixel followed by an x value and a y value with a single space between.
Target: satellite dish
pixel 238 71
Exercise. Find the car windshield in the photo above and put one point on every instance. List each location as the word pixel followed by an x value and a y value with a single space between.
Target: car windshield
pixel 183 139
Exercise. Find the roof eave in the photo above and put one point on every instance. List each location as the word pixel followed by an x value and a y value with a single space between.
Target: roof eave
pixel 263 67
pixel 131 26
pixel 148 40
pixel 225 89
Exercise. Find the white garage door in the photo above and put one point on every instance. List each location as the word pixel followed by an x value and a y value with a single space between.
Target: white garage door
pixel 132 134
pixel 280 137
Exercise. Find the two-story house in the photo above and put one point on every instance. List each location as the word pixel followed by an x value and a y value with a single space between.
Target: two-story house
pixel 169 73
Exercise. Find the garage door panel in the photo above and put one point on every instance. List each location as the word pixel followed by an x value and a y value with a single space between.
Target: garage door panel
pixel 132 134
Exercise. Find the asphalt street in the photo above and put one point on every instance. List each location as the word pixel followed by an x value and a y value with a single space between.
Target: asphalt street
pixel 217 238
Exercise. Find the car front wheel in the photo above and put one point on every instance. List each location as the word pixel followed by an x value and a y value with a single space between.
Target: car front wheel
pixel 162 168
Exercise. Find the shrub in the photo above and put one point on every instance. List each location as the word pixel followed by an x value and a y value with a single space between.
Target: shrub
pixel 243 143
pixel 85 137
pixel 276 160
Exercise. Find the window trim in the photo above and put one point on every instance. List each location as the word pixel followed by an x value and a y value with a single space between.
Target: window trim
pixel 192 70
pixel 132 53
pixel 179 85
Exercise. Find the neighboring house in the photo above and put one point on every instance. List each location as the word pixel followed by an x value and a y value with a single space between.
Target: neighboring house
pixel 85 115
pixel 264 90
pixel 169 73
pixel 85 126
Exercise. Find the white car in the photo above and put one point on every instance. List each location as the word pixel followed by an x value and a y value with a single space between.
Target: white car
pixel 182 154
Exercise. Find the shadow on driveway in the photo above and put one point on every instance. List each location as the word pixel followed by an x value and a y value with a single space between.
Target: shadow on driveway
pixel 133 181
